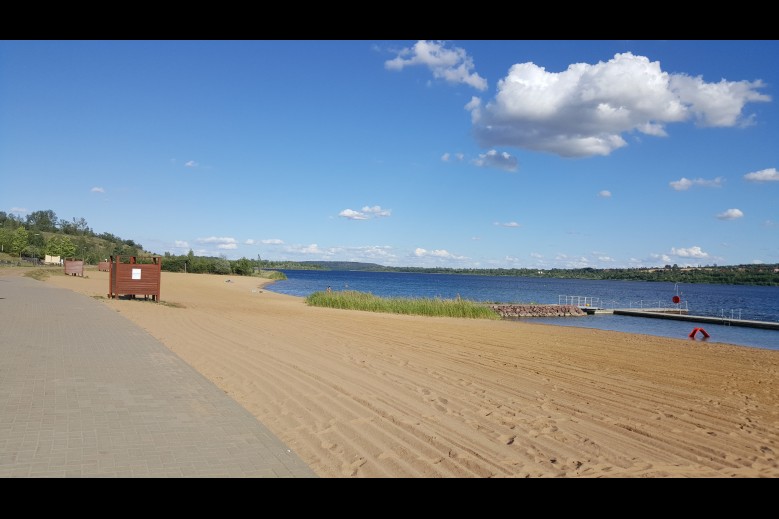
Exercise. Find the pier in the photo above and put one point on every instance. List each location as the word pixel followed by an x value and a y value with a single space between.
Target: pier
pixel 769 325
pixel 679 312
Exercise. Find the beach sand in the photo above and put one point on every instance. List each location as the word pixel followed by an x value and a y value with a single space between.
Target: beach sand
pixel 366 395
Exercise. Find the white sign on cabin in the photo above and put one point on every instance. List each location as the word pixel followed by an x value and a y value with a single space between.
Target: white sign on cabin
pixel 136 273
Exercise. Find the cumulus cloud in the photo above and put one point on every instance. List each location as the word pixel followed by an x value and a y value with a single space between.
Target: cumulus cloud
pixel 221 243
pixel 436 253
pixel 450 64
pixel 584 110
pixel 507 224
pixel 446 157
pixel 366 213
pixel 665 258
pixel 97 190
pixel 730 214
pixel 494 159
pixel 180 244
pixel 272 241
pixel 307 249
pixel 691 252
pixel 19 210
pixel 604 194
pixel 764 175
pixel 249 242
pixel 716 104
pixel 191 164
pixel 684 184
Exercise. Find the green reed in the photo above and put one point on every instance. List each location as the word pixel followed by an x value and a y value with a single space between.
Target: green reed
pixel 436 307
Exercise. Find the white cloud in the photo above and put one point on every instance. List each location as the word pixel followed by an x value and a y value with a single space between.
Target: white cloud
pixel 494 159
pixel 366 213
pixel 221 243
pixel 437 253
pixel 730 214
pixel 272 241
pixel 605 259
pixel 507 224
pixel 584 110
pixel 665 258
pixel 191 164
pixel 351 214
pixel 446 157
pixel 691 252
pixel 97 190
pixel 376 211
pixel 757 262
pixel 604 194
pixel 764 175
pixel 452 65
pixel 180 244
pixel 684 183
pixel 249 242
pixel 19 210
pixel 536 255
pixel 307 249
pixel 716 104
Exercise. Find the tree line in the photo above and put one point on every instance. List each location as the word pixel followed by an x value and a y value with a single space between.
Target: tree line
pixel 42 233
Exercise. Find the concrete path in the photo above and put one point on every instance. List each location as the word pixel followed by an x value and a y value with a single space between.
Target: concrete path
pixel 84 392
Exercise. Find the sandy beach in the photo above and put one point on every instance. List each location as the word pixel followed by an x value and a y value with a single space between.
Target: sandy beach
pixel 365 395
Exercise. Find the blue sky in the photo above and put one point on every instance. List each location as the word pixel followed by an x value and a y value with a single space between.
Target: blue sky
pixel 474 154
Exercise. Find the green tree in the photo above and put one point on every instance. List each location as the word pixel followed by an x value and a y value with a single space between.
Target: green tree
pixel 6 240
pixel 42 221
pixel 243 267
pixel 61 246
pixel 20 241
pixel 221 266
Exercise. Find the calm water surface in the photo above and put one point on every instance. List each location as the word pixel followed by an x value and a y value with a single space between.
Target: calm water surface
pixel 745 302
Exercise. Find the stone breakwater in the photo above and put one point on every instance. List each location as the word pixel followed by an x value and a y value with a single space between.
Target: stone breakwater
pixel 538 310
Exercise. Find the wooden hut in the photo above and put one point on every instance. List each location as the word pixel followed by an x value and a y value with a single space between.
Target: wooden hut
pixel 74 267
pixel 132 278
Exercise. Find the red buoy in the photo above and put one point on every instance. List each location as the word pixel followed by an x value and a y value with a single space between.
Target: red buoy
pixel 676 299
pixel 696 330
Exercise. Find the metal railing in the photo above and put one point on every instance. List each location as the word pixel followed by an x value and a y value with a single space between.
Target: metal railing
pixel 580 301
pixel 660 305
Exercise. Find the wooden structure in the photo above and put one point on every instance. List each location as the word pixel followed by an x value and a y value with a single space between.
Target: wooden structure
pixel 135 279
pixel 74 267
pixel 104 266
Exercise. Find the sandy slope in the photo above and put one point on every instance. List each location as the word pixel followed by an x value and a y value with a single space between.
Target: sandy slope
pixel 358 394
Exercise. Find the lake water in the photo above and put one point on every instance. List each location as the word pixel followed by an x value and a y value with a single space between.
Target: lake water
pixel 756 303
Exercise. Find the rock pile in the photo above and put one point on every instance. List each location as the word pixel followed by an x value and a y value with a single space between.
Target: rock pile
pixel 538 310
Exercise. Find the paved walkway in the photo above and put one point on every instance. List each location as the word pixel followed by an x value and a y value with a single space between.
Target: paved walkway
pixel 84 392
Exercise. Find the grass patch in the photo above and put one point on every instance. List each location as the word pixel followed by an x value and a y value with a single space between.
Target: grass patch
pixel 272 274
pixel 435 307
pixel 39 274
pixel 171 304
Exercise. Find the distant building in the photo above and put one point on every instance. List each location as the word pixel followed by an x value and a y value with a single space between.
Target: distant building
pixel 52 260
